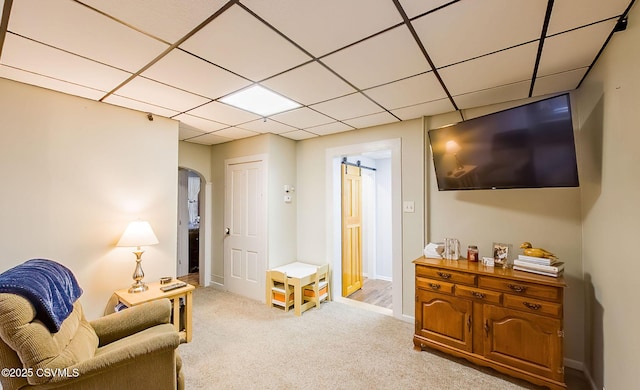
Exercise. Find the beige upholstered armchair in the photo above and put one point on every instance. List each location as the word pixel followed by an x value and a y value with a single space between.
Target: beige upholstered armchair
pixel 132 349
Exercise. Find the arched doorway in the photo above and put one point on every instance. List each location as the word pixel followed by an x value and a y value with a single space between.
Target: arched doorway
pixel 192 246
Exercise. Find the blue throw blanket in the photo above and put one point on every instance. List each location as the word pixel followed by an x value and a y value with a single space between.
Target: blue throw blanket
pixel 49 286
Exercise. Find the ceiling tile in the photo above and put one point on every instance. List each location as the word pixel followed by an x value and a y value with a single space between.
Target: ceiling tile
pixel 184 71
pixel 558 82
pixel 298 135
pixel 425 109
pixel 209 139
pixel 223 113
pixel 573 49
pixel 411 91
pixel 204 125
pixel 308 84
pixel 235 40
pixel 152 92
pixel 169 20
pixel 505 67
pixel 321 27
pixel 185 131
pixel 375 61
pixel 235 133
pixel 495 95
pixel 49 83
pixel 330 128
pixel 489 26
pixel 266 126
pixel 139 106
pixel 302 118
pixel 568 14
pixel 349 106
pixel 93 35
pixel 30 56
pixel 371 120
pixel 414 8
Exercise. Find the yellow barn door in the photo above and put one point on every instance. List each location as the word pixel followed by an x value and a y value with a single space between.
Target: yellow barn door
pixel 351 229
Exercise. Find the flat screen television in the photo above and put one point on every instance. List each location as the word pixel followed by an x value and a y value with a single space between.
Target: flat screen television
pixel 529 146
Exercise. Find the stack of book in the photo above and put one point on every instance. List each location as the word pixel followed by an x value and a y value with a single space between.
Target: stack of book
pixel 539 265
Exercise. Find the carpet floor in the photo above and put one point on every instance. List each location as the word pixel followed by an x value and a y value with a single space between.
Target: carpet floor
pixel 239 343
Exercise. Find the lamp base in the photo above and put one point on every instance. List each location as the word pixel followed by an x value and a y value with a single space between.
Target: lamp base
pixel 138 287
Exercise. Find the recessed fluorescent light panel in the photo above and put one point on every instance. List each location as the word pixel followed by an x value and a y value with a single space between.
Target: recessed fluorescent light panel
pixel 259 100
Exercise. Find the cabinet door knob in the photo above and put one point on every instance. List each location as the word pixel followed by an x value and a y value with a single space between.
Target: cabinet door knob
pixel 486 327
pixel 469 323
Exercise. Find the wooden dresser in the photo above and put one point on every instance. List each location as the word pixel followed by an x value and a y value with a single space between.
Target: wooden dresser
pixel 505 319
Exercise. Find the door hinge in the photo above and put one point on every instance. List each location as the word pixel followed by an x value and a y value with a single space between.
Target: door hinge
pixel 561 370
pixel 561 333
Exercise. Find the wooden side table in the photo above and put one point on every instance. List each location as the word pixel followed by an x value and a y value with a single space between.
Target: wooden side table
pixel 154 293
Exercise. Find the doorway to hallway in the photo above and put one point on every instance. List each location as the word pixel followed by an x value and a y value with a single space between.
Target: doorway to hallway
pixel 367 196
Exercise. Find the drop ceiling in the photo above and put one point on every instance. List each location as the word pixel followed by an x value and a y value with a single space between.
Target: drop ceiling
pixel 349 64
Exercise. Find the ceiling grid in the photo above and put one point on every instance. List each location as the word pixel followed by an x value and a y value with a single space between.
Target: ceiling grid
pixel 348 64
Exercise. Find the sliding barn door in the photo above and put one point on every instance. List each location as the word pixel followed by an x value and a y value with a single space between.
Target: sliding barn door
pixel 351 229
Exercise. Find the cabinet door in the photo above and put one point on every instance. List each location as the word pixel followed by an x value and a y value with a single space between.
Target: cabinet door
pixel 445 319
pixel 527 341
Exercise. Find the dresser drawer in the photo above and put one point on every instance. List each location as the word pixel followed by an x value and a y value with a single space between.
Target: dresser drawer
pixel 521 288
pixel 532 305
pixel 435 285
pixel 478 294
pixel 446 275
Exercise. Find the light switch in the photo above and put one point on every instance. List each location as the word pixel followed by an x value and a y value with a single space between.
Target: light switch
pixel 408 206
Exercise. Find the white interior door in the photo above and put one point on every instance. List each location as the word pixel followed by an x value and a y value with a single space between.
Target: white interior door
pixel 245 228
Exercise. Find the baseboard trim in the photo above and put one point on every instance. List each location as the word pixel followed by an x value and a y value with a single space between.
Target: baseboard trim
pixel 587 375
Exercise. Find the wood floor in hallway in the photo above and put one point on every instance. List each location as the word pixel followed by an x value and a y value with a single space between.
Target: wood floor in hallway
pixel 374 291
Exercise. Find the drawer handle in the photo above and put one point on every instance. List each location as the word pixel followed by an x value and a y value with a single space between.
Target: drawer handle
pixel 532 306
pixel 434 286
pixel 444 275
pixel 478 294
pixel 517 288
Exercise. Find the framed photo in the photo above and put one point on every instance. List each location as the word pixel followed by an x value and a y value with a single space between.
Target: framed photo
pixel 501 254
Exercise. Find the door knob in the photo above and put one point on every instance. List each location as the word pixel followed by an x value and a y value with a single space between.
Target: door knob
pixel 227 231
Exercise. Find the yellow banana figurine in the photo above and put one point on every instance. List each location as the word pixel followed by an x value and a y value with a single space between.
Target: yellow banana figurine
pixel 528 250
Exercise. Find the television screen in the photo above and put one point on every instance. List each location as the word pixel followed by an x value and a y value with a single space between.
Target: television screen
pixel 529 146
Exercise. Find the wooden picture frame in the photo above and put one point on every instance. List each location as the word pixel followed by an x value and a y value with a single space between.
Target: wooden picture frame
pixel 502 254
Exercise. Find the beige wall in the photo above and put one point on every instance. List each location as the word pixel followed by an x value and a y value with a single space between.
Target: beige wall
pixel 608 103
pixel 195 157
pixel 74 173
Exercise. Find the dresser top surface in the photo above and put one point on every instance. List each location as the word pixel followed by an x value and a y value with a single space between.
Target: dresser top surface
pixel 480 269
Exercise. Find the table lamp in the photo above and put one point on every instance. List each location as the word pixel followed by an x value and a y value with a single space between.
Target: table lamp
pixel 137 234
pixel 452 147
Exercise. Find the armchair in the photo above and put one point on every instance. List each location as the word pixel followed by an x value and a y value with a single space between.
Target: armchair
pixel 131 349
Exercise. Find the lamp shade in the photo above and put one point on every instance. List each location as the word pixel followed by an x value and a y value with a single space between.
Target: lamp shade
pixel 138 233
pixel 452 147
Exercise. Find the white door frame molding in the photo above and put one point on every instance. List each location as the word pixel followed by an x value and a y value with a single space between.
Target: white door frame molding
pixel 333 218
